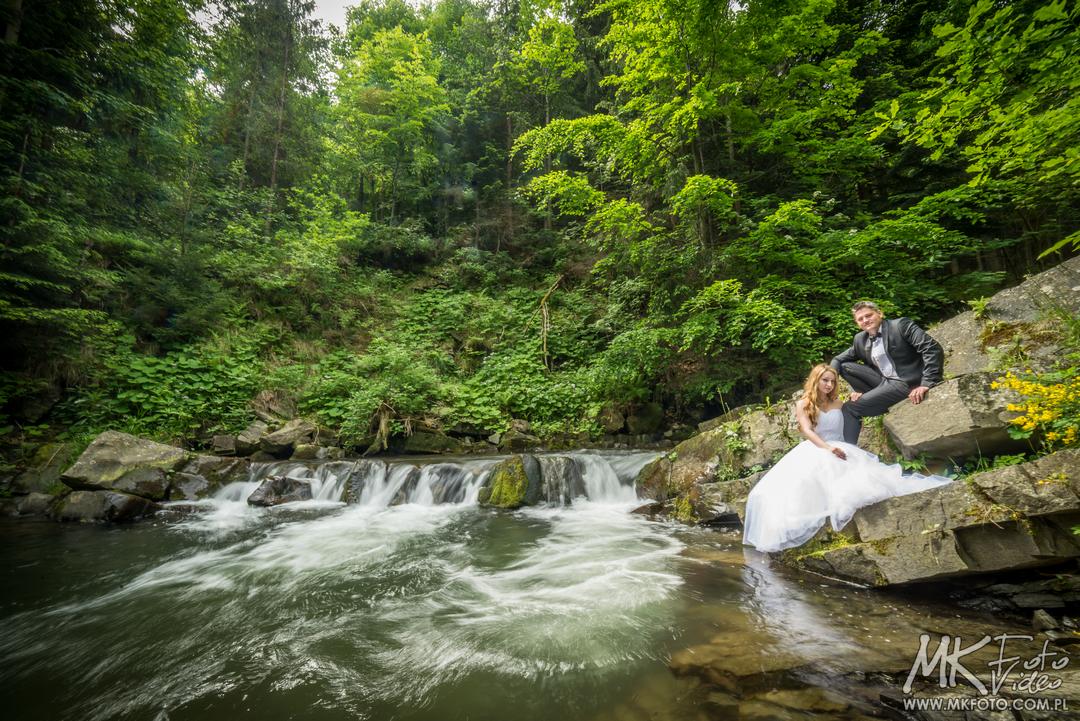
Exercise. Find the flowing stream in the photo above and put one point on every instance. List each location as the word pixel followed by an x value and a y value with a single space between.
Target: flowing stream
pixel 412 602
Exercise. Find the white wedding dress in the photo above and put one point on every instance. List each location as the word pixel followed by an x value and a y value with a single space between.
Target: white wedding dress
pixel 810 485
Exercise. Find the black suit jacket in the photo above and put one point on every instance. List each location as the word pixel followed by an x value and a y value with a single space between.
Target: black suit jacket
pixel 918 358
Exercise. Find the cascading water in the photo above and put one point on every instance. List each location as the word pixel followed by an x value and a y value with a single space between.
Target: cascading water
pixel 378 483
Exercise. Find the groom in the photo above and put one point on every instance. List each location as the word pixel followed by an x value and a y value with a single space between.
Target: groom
pixel 898 360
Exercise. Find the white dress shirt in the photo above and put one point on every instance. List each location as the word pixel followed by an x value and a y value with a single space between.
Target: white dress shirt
pixel 881 358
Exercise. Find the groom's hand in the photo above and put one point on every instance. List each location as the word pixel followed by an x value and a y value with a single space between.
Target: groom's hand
pixel 855 395
pixel 917 394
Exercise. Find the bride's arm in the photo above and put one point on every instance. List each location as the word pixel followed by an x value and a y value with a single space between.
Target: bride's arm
pixel 807 429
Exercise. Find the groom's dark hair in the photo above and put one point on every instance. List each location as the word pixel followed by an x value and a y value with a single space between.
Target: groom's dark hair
pixel 865 304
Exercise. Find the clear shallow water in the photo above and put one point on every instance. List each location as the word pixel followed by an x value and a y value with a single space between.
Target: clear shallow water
pixel 414 611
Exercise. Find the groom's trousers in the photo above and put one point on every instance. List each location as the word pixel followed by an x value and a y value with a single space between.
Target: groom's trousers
pixel 879 394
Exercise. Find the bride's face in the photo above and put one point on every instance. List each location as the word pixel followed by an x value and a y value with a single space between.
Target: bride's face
pixel 826 384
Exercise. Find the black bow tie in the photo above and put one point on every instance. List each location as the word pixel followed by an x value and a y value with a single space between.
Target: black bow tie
pixel 874 337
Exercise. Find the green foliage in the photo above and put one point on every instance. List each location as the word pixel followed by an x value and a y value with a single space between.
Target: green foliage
pixel 489 211
pixel 183 394
pixel 978 307
pixel 395 385
pixel 990 463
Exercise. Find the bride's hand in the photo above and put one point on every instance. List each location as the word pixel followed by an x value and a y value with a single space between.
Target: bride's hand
pixel 838 452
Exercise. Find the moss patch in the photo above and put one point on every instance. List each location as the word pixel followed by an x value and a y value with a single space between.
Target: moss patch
pixel 818 546
pixel 509 484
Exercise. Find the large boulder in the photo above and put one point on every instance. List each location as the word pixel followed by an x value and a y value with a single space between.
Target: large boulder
pixel 959 418
pixel 218 470
pixel 515 482
pixel 35 504
pixel 306 452
pixel 120 462
pixel 204 475
pixel 723 503
pixel 224 445
pixel 276 490
pixel 1013 321
pixel 733 447
pixel 563 480
pixel 281 442
pixel 1005 519
pixel 365 472
pixel 103 506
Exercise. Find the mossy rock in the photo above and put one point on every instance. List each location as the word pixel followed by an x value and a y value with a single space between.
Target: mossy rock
pixel 514 483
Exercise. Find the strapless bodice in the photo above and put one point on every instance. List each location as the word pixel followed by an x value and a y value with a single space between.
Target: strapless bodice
pixel 830 425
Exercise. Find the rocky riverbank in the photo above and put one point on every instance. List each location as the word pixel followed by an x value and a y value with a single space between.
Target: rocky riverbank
pixel 1003 518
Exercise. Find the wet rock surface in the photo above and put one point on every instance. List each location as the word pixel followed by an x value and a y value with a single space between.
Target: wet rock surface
pixel 515 482
pixel 276 490
pixel 89 506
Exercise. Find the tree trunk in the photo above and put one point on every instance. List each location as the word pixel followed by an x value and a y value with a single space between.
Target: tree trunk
pixel 547 161
pixel 247 137
pixel 14 23
pixel 730 139
pixel 508 227
pixel 22 164
pixel 188 193
pixel 393 187
pixel 277 136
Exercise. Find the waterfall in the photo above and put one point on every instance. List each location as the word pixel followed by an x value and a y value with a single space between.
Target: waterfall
pixel 378 483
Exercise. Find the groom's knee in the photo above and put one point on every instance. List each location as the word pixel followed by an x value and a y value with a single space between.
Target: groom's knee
pixel 851 409
pixel 846 371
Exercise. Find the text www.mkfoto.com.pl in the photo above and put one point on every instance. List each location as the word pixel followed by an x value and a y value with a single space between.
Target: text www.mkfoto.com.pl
pixel 984 703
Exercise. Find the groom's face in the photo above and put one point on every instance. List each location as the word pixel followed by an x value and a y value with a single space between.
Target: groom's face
pixel 868 320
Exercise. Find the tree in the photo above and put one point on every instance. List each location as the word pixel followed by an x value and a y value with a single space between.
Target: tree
pixel 389 104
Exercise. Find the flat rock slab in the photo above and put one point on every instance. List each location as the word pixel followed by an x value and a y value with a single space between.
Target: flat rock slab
pixel 1009 518
pixel 960 418
pixel 1045 486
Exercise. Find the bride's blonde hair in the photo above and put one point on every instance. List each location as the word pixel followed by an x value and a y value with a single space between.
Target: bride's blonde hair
pixel 811 394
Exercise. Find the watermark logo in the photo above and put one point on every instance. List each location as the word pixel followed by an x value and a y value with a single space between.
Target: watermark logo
pixel 1012 672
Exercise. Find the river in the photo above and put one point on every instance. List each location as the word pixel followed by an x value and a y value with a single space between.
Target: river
pixel 433 608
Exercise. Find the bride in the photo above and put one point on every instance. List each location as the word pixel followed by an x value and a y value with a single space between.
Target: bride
pixel 822 477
